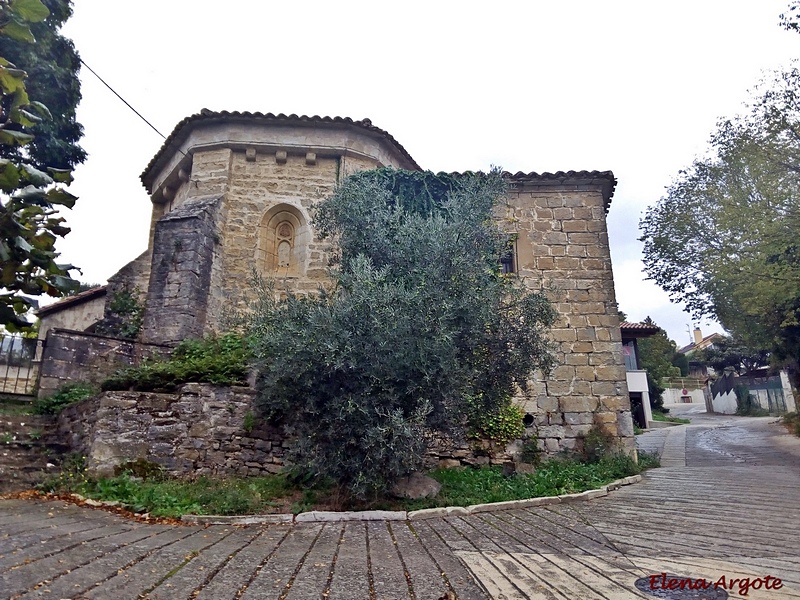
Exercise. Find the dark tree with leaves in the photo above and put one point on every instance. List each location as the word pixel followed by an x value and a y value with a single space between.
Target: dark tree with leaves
pixel 52 67
pixel 421 331
pixel 29 223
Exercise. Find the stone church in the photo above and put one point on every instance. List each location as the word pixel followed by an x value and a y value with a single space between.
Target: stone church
pixel 232 191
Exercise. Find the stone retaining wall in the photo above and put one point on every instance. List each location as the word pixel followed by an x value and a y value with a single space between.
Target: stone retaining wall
pixel 78 356
pixel 205 429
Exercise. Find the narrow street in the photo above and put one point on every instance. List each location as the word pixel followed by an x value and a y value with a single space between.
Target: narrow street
pixel 725 504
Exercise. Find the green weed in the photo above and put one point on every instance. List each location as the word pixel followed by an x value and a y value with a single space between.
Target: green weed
pixel 67 394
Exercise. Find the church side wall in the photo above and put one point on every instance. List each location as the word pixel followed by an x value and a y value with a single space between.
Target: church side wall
pixel 562 248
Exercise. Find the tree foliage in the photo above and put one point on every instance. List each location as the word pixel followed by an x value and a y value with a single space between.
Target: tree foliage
pixel 52 67
pixel 733 353
pixel 724 239
pixel 657 354
pixel 790 20
pixel 29 193
pixel 420 328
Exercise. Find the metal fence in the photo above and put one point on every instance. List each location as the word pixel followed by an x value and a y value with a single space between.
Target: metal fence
pixel 18 368
pixel 767 392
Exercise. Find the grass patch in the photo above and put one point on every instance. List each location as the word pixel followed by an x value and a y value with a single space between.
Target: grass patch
pixel 792 422
pixel 15 408
pixel 67 394
pixel 659 416
pixel 465 486
pixel 166 497
pixel 162 496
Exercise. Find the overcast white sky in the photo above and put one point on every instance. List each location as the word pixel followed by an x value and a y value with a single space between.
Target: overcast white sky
pixel 631 86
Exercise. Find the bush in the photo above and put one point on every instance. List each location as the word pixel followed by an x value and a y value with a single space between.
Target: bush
pixel 746 404
pixel 792 422
pixel 67 394
pixel 501 426
pixel 531 453
pixel 125 315
pixel 599 444
pixel 219 360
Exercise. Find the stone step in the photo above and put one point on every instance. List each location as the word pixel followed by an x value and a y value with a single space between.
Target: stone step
pixel 25 450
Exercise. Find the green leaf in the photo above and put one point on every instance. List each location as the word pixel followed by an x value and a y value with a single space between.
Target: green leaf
pixel 20 99
pixel 32 11
pixel 61 175
pixel 10 320
pixel 35 176
pixel 65 284
pixel 11 80
pixel 31 118
pixel 17 31
pixel 9 175
pixel 61 197
pixel 31 194
pixel 22 244
pixel 42 110
pixel 14 138
pixel 17 116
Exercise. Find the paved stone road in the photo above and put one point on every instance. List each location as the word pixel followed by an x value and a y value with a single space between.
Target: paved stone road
pixel 726 504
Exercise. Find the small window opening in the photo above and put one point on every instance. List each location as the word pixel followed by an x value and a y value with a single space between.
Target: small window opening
pixel 507 259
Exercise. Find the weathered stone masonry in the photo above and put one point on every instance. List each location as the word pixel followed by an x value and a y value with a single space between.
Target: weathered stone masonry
pixel 562 247
pixel 202 429
pixel 71 356
pixel 234 192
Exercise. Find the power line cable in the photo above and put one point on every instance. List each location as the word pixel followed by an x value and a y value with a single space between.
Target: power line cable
pixel 121 98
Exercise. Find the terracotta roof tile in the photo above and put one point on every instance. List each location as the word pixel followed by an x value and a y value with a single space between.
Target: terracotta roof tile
pixel 604 178
pixel 638 329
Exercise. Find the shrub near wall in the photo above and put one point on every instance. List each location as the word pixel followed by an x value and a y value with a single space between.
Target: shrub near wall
pixel 219 360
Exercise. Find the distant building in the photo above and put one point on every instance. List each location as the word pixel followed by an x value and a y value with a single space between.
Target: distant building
pixel 638 390
pixel 698 369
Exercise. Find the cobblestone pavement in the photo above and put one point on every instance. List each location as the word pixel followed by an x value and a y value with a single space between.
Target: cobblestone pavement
pixel 727 505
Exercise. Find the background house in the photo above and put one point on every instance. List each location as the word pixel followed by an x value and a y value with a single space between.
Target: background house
pixel 638 390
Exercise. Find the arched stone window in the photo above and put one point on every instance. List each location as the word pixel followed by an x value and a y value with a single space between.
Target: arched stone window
pixel 283 241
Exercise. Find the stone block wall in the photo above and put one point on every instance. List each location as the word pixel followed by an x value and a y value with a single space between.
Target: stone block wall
pixel 78 356
pixel 263 185
pixel 202 430
pixel 562 249
pixel 206 429
pixel 183 253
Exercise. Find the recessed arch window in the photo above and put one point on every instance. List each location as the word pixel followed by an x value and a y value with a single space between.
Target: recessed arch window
pixel 283 241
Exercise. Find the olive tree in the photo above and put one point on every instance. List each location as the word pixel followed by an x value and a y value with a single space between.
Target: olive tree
pixel 421 329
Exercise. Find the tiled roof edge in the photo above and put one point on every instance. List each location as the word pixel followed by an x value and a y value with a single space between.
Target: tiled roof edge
pixel 604 178
pixel 71 300
pixel 209 115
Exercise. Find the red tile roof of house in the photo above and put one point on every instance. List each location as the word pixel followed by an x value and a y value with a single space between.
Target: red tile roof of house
pixel 638 329
pixel 78 298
